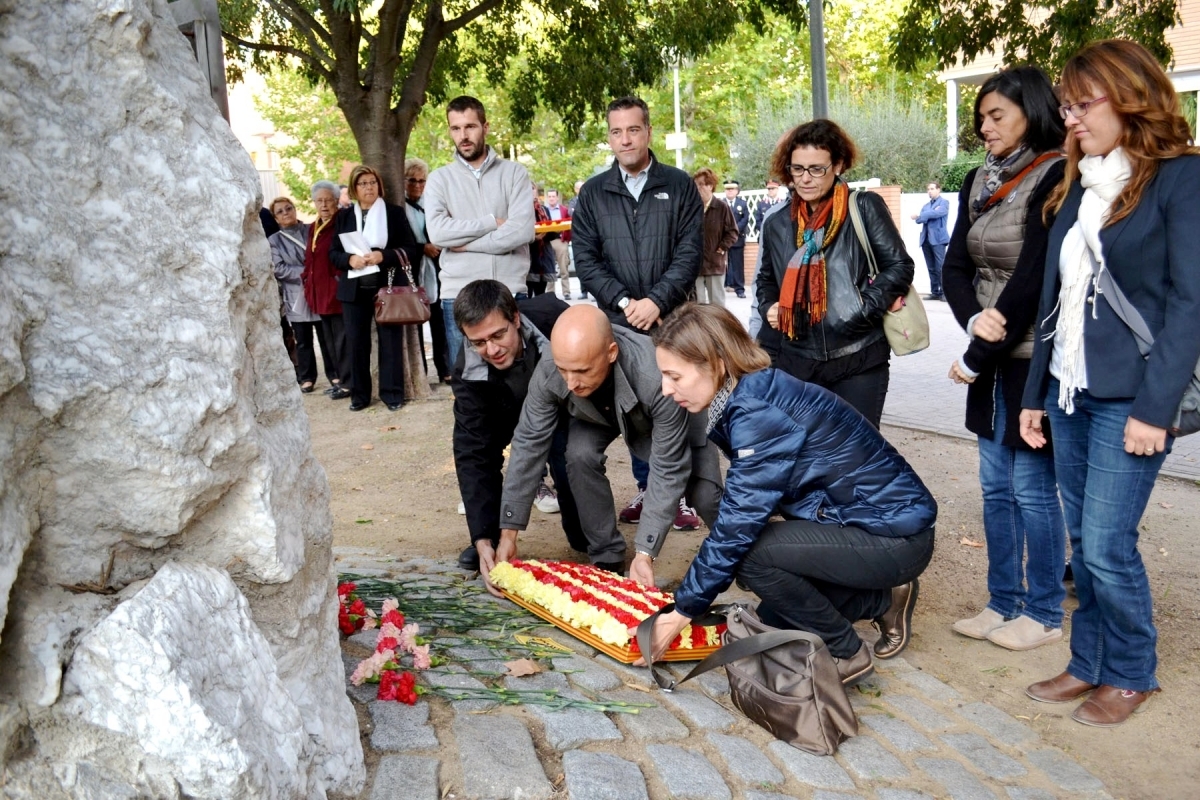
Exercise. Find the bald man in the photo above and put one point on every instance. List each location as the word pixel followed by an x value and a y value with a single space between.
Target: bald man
pixel 607 381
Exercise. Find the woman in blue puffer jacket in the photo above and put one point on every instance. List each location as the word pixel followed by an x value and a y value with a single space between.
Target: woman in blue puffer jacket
pixel 857 525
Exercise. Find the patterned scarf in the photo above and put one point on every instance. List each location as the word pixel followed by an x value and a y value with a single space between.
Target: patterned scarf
pixel 997 171
pixel 804 282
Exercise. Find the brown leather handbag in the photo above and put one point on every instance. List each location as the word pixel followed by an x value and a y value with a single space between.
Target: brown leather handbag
pixel 785 681
pixel 401 305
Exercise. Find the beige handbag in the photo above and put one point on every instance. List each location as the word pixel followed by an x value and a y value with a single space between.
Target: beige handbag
pixel 785 681
pixel 907 330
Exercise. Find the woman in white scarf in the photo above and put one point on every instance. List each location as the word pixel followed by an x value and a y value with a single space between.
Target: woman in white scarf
pixel 1127 206
pixel 385 228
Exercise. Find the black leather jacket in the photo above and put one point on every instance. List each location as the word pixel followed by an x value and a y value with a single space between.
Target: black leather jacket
pixel 854 318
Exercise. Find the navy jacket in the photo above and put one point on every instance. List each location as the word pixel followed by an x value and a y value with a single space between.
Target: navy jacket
pixel 1152 255
pixel 741 215
pixel 798 450
pixel 932 220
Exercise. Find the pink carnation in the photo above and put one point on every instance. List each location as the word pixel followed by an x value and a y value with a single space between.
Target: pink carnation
pixel 389 605
pixel 388 631
pixel 371 667
pixel 420 655
pixel 408 637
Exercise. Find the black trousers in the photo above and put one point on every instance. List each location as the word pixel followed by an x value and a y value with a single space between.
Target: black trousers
pixel 306 356
pixel 735 271
pixel 359 316
pixel 824 578
pixel 332 336
pixel 861 379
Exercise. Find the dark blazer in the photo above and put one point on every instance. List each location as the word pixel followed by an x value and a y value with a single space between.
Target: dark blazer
pixel 932 220
pixel 1152 256
pixel 741 216
pixel 797 449
pixel 400 235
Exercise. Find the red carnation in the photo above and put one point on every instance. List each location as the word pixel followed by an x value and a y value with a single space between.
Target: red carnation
pixel 359 608
pixel 389 685
pixel 387 643
pixel 407 691
pixel 345 589
pixel 345 624
pixel 394 617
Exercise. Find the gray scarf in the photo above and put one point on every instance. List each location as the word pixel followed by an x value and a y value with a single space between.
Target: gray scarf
pixel 999 170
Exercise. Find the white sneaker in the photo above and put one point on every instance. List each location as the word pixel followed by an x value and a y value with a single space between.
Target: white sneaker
pixel 546 499
pixel 462 508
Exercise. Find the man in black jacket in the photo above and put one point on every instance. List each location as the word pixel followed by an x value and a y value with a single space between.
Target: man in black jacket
pixel 504 340
pixel 638 238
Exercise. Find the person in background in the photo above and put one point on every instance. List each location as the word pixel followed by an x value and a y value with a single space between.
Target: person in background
pixel 386 229
pixel 735 276
pixel 857 524
pixel 774 198
pixel 815 284
pixel 720 232
pixel 344 200
pixel 416 175
pixel 560 242
pixel 542 267
pixel 934 237
pixel 993 275
pixel 320 280
pixel 1126 217
pixel 639 273
pixel 287 257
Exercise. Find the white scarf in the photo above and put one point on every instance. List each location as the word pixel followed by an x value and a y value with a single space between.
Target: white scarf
pixel 1103 178
pixel 376 229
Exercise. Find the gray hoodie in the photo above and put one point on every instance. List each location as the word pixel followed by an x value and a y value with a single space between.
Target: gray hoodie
pixel 461 211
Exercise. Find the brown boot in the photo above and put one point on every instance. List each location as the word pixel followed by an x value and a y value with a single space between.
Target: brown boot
pixel 856 667
pixel 1109 706
pixel 1062 688
pixel 895 626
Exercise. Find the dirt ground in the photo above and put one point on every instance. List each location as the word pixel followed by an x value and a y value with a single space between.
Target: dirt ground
pixel 394 490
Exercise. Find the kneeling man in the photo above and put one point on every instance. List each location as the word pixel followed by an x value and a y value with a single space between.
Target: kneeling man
pixel 609 384
pixel 503 345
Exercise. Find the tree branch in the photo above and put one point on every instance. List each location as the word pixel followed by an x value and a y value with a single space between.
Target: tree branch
pixel 470 15
pixel 308 26
pixel 279 48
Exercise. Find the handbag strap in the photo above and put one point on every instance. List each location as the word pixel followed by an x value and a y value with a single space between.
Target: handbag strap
pixel 1012 182
pixel 734 651
pixel 1120 304
pixel 861 232
pixel 405 265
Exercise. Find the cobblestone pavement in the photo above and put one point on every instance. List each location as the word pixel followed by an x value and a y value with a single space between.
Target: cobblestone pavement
pixel 918 737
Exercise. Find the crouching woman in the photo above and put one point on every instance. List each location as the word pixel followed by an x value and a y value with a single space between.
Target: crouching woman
pixel 857 525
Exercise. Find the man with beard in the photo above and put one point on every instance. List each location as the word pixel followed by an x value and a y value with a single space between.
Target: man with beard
pixel 477 210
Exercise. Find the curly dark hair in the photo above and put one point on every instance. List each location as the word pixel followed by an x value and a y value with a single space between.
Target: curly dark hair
pixel 823 133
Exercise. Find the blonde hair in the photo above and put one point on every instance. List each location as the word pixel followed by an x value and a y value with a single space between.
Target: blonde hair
pixel 711 336
pixel 358 172
pixel 1153 129
pixel 278 200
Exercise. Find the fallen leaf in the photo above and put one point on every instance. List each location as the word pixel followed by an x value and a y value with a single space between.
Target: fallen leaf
pixel 368 447
pixel 356 488
pixel 387 428
pixel 1167 505
pixel 637 687
pixel 970 542
pixel 361 521
pixel 522 667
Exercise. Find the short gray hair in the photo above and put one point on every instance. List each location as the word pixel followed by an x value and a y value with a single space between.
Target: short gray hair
pixel 417 164
pixel 330 185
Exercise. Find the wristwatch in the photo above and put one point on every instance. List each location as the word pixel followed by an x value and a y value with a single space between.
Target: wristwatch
pixel 623 303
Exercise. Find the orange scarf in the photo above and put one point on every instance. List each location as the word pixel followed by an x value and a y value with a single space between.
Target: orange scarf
pixel 804 282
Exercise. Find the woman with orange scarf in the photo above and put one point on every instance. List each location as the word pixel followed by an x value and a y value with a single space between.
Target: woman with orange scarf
pixel 823 311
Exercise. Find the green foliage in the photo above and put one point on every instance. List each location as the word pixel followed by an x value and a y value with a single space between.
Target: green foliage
pixel 899 141
pixel 1042 32
pixel 955 172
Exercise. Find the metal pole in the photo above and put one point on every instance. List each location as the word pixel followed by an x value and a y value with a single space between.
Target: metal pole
pixel 678 153
pixel 816 34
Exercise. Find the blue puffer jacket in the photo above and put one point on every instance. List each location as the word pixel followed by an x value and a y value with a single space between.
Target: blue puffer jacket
pixel 798 450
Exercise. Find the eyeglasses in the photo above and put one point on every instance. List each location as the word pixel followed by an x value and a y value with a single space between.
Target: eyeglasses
pixel 495 338
pixel 284 209
pixel 414 180
pixel 1079 110
pixel 817 172
pixel 366 184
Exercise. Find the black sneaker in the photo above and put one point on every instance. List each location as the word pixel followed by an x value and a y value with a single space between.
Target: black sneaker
pixel 612 566
pixel 469 559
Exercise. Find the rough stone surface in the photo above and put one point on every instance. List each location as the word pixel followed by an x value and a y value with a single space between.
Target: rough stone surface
pixel 930 686
pixel 600 776
pixel 959 783
pixel 572 727
pixel 412 777
pixel 745 760
pixel 1026 793
pixel 822 772
pixel 1064 771
pixel 401 727
pixel 588 674
pixel 148 413
pixel 867 758
pixel 699 710
pixel 455 677
pixel 143 672
pixel 898 733
pixel 649 724
pixel 999 726
pixel 498 759
pixel 688 774
pixel 983 756
pixel 901 794
pixel 924 716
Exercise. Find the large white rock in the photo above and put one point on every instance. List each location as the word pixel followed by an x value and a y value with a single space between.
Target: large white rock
pixel 182 668
pixel 148 413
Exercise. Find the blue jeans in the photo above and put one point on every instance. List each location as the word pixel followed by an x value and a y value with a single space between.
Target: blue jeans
pixel 1023 524
pixel 641 471
pixel 1104 492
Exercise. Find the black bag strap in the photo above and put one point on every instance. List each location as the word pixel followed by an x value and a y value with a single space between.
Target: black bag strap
pixel 734 651
pixel 1121 306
